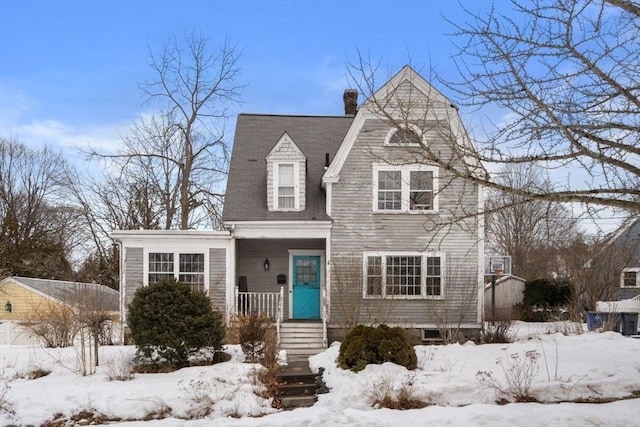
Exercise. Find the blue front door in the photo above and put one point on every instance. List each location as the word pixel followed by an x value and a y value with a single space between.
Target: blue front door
pixel 306 287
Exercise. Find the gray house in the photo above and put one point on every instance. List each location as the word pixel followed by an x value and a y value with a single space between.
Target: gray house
pixel 331 221
pixel 628 237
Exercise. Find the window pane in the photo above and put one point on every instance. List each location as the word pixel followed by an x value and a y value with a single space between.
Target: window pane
pixel 160 267
pixel 434 276
pixel 285 177
pixel 192 271
pixel 195 281
pixel 191 263
pixel 404 275
pixel 286 189
pixel 421 190
pixel 306 270
pixel 158 277
pixel 286 202
pixel 374 276
pixel 629 278
pixel 405 136
pixel 389 190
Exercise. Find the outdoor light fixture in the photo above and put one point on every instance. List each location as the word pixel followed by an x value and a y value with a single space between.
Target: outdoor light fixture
pixel 266 264
pixel 8 307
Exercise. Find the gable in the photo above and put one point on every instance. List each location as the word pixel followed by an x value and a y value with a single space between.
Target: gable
pixel 285 149
pixel 406 97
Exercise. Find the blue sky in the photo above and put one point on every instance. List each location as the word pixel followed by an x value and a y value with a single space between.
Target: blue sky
pixel 69 70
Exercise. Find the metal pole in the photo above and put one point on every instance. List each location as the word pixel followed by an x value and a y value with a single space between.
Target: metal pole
pixel 493 300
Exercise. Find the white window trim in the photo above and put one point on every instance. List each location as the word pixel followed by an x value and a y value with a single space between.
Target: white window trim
pixel 416 129
pixel 630 270
pixel 176 264
pixel 405 187
pixel 423 279
pixel 296 185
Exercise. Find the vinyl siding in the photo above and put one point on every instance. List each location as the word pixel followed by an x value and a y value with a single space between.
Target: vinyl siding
pixel 356 228
pixel 26 304
pixel 133 266
pixel 217 278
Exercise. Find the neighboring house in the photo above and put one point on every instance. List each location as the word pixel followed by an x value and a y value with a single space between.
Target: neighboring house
pixel 628 236
pixel 509 291
pixel 627 297
pixel 25 300
pixel 330 220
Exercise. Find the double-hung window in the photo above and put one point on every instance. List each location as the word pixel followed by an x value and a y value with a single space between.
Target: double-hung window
pixel 285 188
pixel 186 268
pixel 160 266
pixel 403 275
pixel 405 189
pixel 631 278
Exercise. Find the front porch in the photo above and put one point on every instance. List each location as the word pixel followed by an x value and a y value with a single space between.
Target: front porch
pixel 286 280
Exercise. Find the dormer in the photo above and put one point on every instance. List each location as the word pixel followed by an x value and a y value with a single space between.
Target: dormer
pixel 286 176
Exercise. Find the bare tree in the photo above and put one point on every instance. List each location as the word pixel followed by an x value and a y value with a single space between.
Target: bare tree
pixel 105 204
pixel 181 152
pixel 94 310
pixel 532 232
pixel 350 308
pixel 593 267
pixel 38 230
pixel 450 314
pixel 566 75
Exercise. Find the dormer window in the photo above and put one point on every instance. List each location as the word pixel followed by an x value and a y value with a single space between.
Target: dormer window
pixel 286 196
pixel 286 176
pixel 630 278
pixel 404 136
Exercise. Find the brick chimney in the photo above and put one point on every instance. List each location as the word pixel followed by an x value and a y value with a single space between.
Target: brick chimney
pixel 350 99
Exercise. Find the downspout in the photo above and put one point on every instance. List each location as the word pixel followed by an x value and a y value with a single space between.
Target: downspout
pixel 123 289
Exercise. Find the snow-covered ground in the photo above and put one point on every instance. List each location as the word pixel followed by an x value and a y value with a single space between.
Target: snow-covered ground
pixel 567 370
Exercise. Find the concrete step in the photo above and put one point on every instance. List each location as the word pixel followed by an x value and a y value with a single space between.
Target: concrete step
pixel 302 338
pixel 297 378
pixel 306 342
pixel 301 332
pixel 301 325
pixel 306 352
pixel 297 384
pixel 298 389
pixel 292 402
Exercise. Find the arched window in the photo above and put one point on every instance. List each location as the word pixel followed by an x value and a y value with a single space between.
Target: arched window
pixel 403 136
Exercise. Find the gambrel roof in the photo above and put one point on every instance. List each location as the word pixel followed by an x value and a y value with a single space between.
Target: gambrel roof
pixel 256 135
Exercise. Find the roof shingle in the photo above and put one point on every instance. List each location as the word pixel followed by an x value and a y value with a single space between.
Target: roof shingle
pixel 256 134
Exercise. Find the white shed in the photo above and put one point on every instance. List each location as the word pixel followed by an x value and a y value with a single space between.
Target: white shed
pixel 509 292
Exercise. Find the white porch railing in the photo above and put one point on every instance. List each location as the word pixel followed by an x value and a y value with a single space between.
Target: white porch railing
pixel 268 303
pixel 325 314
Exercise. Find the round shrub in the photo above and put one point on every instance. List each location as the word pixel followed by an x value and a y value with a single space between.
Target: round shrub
pixel 364 345
pixel 547 293
pixel 169 323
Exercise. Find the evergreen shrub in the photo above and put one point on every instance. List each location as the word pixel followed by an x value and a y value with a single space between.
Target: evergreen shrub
pixel 169 323
pixel 365 345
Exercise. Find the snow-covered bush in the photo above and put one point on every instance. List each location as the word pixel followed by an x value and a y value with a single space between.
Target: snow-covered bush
pixel 364 345
pixel 169 323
